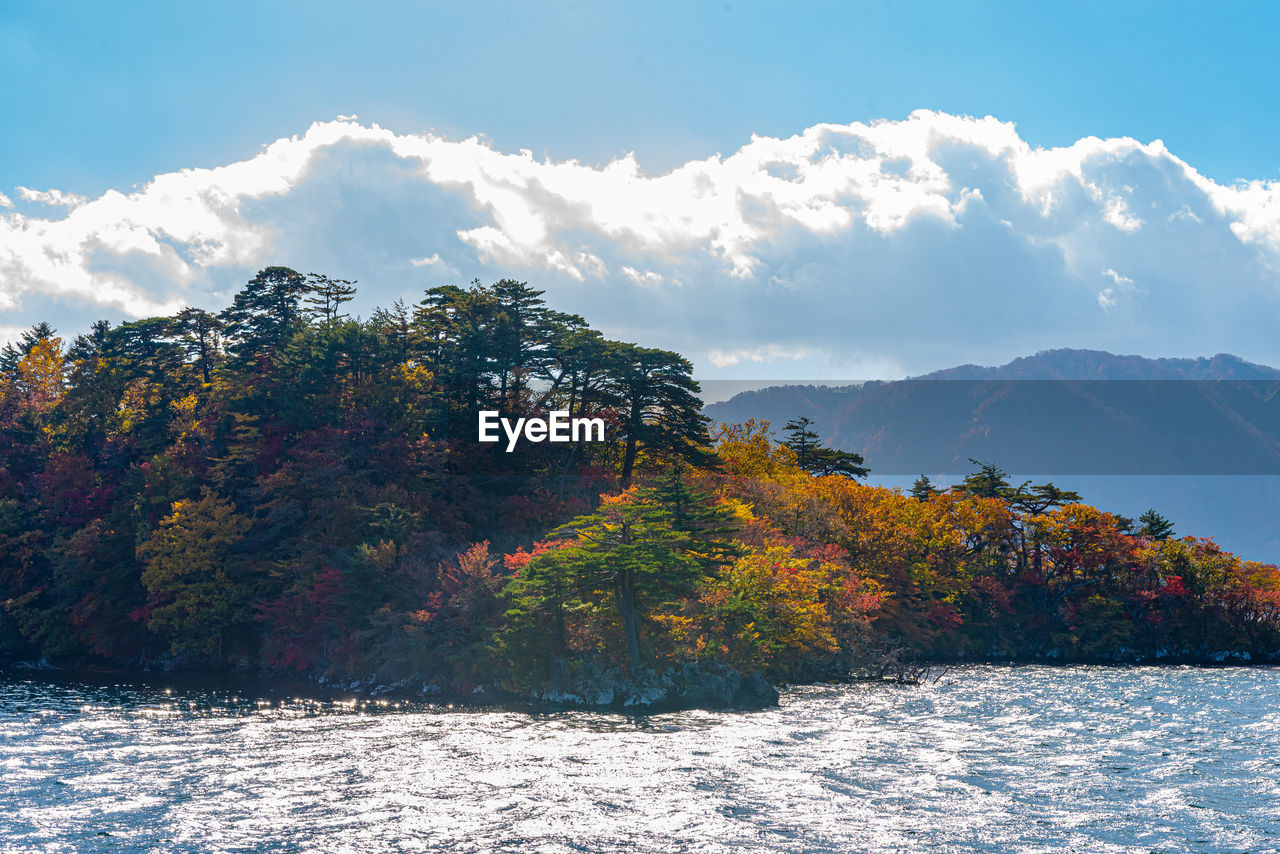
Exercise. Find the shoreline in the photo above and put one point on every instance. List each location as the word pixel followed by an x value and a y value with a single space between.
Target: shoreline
pixel 284 688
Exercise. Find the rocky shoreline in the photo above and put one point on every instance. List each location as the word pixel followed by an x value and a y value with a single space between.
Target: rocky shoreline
pixel 693 685
pixel 579 684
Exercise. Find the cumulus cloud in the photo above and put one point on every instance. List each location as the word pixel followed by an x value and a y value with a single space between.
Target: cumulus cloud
pixel 919 242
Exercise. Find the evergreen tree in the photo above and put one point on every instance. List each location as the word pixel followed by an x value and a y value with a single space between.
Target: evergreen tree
pixel 1155 526
pixel 989 481
pixel 326 297
pixel 814 457
pixel 198 332
pixel 1038 499
pixel 264 315
pixel 803 440
pixel 659 409
pixel 923 489
pixel 631 551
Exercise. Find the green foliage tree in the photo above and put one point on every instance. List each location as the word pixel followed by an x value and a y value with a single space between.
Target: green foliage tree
pixel 631 556
pixel 815 457
pixel 1155 526
pixel 989 481
pixel 193 599
pixel 325 298
pixel 264 315
pixel 659 409
pixel 198 334
pixel 923 489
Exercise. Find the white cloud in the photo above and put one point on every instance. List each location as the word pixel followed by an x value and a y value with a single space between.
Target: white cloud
pixel 763 353
pixel 648 277
pixel 55 198
pixel 863 241
pixel 10 334
pixel 1117 213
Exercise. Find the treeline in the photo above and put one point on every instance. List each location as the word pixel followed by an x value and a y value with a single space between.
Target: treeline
pixel 988 570
pixel 282 487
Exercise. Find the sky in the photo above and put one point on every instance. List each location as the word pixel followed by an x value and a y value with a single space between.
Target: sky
pixel 794 191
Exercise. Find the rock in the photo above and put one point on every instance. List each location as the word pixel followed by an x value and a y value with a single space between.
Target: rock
pixel 709 686
pixel 587 683
pixel 756 693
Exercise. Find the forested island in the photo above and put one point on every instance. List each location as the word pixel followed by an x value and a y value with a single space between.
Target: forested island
pixel 282 489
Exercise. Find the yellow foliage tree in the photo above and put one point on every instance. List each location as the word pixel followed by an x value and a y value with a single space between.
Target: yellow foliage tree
pixel 193 599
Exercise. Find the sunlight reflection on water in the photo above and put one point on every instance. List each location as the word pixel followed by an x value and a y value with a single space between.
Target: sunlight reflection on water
pixel 989 759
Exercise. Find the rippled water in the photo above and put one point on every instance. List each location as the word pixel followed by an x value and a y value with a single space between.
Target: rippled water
pixel 988 759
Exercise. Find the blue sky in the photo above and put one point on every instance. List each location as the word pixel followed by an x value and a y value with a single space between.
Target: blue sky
pixel 104 98
pixel 111 94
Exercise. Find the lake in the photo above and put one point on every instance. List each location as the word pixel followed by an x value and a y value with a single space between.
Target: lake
pixel 989 758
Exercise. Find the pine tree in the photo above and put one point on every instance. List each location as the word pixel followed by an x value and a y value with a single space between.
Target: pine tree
pixel 326 297
pixel 803 440
pixel 814 457
pixel 264 315
pixel 198 332
pixel 658 406
pixel 923 489
pixel 989 481
pixel 1155 526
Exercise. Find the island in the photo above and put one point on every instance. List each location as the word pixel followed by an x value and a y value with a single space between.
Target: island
pixel 282 489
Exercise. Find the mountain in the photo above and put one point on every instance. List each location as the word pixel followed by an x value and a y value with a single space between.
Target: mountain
pixel 1067 364
pixel 1060 411
pixel 1113 427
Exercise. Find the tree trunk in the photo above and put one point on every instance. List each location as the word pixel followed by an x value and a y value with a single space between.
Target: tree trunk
pixel 628 462
pixel 624 589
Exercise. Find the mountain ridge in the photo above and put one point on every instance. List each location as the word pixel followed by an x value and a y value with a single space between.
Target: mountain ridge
pixel 1066 363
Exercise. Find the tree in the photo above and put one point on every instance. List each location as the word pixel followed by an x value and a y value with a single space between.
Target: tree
pixel 326 297
pixel 923 489
pixel 193 599
pixel 11 354
pixel 1038 499
pixel 264 315
pixel 525 333
pixel 989 481
pixel 630 551
pixel 198 332
pixel 1154 526
pixel 813 456
pixel 802 440
pixel 658 404
pixel 40 374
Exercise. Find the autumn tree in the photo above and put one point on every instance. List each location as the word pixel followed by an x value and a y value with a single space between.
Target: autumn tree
pixel 194 599
pixel 628 557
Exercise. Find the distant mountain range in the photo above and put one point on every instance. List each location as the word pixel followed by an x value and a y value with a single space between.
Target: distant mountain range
pixel 1057 412
pixel 1067 364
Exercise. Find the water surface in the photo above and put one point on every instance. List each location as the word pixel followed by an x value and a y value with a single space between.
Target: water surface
pixel 988 759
